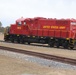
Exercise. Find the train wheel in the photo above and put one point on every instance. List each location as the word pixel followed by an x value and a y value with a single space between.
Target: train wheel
pixel 71 47
pixel 12 40
pixel 5 40
pixel 18 41
pixel 51 44
pixel 57 44
pixel 22 41
pixel 28 43
pixel 65 45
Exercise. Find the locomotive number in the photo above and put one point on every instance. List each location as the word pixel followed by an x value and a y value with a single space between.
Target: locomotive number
pixel 18 27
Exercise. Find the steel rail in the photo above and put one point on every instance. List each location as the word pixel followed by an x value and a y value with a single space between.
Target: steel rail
pixel 39 45
pixel 42 55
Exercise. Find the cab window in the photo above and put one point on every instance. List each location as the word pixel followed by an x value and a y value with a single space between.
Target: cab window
pixel 19 23
pixel 24 23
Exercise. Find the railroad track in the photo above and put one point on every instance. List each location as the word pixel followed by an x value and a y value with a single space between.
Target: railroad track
pixel 42 55
pixel 39 45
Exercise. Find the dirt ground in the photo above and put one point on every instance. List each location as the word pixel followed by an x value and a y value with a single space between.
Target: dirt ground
pixel 53 51
pixel 13 66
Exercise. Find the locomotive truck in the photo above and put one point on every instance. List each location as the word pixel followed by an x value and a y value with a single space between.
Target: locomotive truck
pixel 54 32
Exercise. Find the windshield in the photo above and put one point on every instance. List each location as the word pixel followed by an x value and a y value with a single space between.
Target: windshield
pixel 19 23
pixel 24 23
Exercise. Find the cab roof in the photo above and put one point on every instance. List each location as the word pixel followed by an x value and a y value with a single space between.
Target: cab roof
pixel 20 19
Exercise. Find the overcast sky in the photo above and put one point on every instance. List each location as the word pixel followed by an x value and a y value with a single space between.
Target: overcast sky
pixel 10 10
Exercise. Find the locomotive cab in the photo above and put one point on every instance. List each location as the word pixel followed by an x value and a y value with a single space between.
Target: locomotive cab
pixel 19 23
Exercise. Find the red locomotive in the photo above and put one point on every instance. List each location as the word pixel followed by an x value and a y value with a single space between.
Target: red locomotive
pixel 55 32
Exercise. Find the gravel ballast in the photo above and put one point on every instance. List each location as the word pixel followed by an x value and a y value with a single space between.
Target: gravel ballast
pixel 43 62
